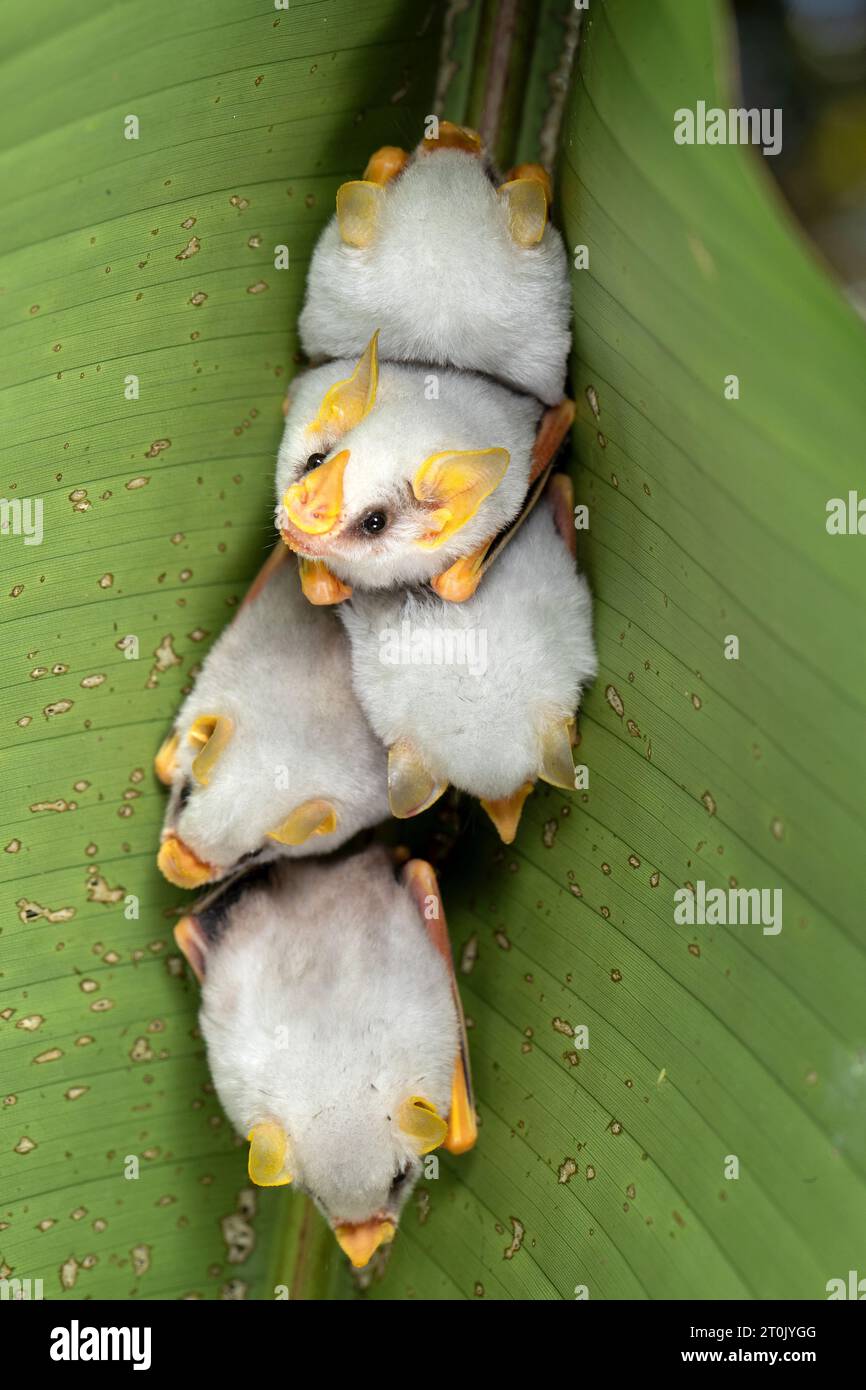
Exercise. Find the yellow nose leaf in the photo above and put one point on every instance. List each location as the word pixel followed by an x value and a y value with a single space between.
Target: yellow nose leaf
pixel 181 865
pixel 505 812
pixel 269 1145
pixel 360 1242
pixel 315 501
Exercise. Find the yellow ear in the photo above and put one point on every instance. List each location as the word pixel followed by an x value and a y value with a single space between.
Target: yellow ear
pixel 385 164
pixel 345 404
pixel 453 137
pixel 458 483
pixel 165 762
pixel 422 1123
pixel 557 759
pixel 412 788
pixel 358 211
pixel 192 941
pixel 210 734
pixel 526 203
pixel 308 819
pixel 269 1145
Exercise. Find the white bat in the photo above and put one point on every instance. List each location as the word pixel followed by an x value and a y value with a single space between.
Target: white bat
pixel 380 483
pixel 452 265
pixel 481 694
pixel 271 753
pixel 334 1032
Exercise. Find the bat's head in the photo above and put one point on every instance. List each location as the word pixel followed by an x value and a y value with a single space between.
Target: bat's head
pixel 233 803
pixel 390 475
pixel 332 1036
pixel 454 264
pixel 271 755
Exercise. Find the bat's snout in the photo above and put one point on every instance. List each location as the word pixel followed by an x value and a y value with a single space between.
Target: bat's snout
pixel 181 865
pixel 313 504
pixel 361 1240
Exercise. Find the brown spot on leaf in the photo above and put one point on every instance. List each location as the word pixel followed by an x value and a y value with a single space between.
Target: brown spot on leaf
pixel 29 911
pixel 164 658
pixel 57 707
pixel 98 890
pixel 192 248
pixel 614 699
pixel 239 1237
pixel 518 1232
pixel 567 1170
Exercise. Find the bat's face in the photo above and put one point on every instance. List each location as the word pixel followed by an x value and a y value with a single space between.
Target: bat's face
pixel 233 802
pixel 389 475
pixel 451 263
pixel 332 1035
pixel 271 754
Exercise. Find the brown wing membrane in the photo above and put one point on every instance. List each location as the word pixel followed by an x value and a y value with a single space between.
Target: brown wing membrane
pixel 420 879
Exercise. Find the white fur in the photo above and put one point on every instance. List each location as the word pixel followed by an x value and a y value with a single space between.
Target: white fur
pixel 325 1005
pixel 387 448
pixel 280 671
pixel 444 281
pixel 481 732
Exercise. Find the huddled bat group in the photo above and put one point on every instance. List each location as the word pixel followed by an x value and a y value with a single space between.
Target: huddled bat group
pixel 414 499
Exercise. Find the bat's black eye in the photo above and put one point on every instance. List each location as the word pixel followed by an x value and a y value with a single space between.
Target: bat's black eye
pixel 313 462
pixel 185 793
pixel 374 523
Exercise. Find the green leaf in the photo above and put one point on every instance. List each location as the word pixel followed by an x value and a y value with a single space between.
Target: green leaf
pixel 151 258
